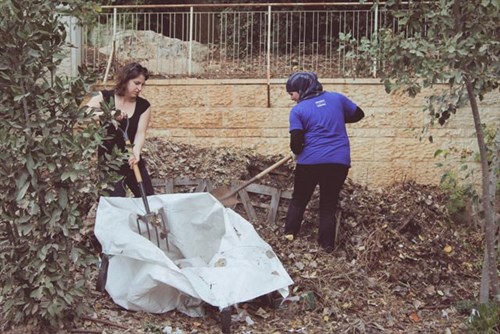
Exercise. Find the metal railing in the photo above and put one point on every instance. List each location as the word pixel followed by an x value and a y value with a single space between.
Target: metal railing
pixel 233 40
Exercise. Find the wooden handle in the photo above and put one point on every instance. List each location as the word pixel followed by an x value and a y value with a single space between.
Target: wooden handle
pixel 135 167
pixel 137 173
pixel 258 176
pixel 138 176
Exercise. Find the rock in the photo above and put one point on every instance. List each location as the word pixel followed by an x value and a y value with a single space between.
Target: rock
pixel 160 54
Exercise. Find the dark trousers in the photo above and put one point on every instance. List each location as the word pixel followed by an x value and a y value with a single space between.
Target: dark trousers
pixel 130 181
pixel 331 178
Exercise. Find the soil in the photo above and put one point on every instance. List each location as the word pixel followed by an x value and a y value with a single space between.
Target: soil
pixel 401 264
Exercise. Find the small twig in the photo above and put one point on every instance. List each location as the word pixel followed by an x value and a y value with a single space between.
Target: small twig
pixel 408 219
pixel 83 330
pixel 434 307
pixel 107 322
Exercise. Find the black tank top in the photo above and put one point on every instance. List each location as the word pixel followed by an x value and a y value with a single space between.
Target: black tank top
pixel 115 136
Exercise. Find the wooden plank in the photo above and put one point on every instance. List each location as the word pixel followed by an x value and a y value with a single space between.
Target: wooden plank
pixel 260 189
pixel 168 185
pixel 169 189
pixel 260 205
pixel 247 204
pixel 184 181
pixel 210 186
pixel 273 207
pixel 159 183
pixel 165 185
pixel 202 185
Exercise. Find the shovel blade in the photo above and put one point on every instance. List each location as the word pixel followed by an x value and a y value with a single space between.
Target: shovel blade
pixel 230 201
pixel 223 195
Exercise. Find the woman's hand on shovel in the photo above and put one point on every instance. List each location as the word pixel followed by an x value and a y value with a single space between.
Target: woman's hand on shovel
pixel 132 160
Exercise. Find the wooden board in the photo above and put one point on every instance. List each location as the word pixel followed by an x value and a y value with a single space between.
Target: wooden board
pixel 271 205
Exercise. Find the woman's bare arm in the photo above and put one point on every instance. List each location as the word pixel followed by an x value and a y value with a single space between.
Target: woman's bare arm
pixel 140 136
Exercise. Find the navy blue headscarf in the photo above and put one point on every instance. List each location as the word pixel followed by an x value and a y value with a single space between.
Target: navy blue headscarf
pixel 305 83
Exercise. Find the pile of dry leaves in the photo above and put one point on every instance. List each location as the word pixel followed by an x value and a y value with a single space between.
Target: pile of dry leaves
pixel 401 265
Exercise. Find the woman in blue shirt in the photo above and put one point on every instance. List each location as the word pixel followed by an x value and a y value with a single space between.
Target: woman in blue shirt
pixel 318 138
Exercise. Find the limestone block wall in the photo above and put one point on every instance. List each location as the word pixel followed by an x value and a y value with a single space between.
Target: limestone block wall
pixel 386 145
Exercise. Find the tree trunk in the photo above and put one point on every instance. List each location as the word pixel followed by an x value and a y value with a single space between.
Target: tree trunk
pixel 485 279
pixel 490 225
pixel 495 166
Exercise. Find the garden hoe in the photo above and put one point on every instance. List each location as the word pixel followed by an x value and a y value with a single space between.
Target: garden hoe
pixel 228 197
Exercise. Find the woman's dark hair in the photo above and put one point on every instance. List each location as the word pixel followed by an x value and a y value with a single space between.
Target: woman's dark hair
pixel 126 73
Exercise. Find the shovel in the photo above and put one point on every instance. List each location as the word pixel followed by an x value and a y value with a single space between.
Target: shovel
pixel 228 197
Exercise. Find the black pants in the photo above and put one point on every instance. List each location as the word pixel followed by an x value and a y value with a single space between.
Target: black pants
pixel 331 178
pixel 130 181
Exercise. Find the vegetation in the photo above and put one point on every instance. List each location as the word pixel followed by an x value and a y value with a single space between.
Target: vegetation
pixel 49 175
pixel 452 42
pixel 48 169
pixel 459 184
pixel 485 318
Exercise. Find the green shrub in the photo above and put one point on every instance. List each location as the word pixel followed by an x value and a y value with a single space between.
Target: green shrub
pixel 484 319
pixel 48 171
pixel 460 196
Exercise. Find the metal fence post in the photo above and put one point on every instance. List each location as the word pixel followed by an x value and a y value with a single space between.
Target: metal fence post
pixel 190 56
pixel 375 31
pixel 268 56
pixel 113 45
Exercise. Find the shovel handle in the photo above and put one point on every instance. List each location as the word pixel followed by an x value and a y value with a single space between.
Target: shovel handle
pixel 135 167
pixel 138 178
pixel 258 176
pixel 137 173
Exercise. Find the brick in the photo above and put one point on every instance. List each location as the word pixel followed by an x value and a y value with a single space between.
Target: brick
pixel 235 118
pixel 199 118
pixel 250 96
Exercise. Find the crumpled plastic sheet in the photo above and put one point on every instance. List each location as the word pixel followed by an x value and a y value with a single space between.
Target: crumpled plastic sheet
pixel 214 255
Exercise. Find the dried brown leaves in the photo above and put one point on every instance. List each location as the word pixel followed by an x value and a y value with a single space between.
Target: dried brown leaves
pixel 400 267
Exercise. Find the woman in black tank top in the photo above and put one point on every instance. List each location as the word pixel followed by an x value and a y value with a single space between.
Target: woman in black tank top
pixel 136 112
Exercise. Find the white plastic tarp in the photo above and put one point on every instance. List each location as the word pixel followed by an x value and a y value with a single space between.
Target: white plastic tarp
pixel 214 255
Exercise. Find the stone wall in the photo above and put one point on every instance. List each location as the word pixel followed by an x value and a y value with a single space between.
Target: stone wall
pixel 386 144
